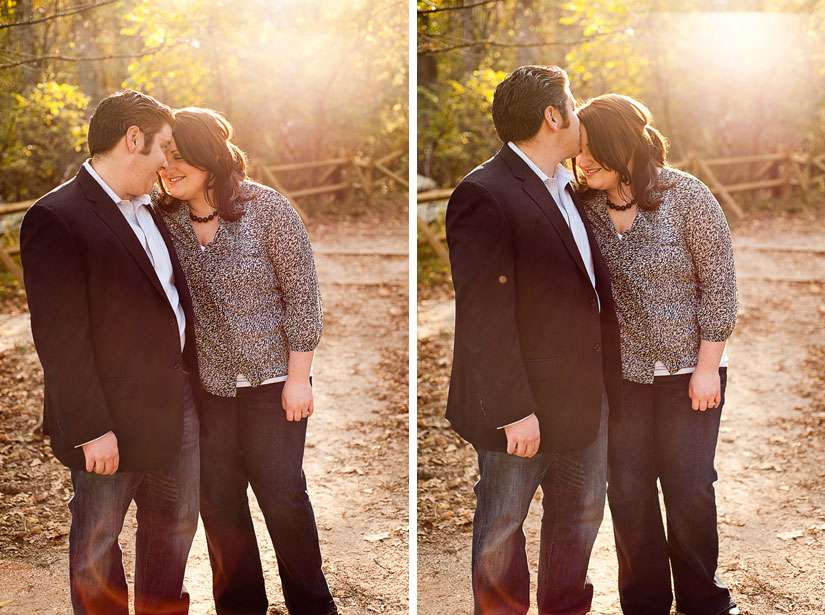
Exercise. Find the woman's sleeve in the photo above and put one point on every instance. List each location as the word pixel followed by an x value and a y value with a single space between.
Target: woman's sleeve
pixel 291 255
pixel 709 242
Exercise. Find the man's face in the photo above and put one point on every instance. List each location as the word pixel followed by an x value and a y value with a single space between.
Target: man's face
pixel 569 136
pixel 145 167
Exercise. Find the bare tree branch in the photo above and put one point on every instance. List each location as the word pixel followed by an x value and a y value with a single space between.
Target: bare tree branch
pixel 117 56
pixel 456 8
pixel 66 13
pixel 427 50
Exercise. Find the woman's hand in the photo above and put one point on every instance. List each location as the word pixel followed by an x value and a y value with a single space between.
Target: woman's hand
pixel 296 399
pixel 705 389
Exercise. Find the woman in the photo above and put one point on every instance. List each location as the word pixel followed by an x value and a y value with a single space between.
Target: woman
pixel 667 245
pixel 258 319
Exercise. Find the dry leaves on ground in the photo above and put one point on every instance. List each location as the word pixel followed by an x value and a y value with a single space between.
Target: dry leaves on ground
pixel 35 487
pixel 446 467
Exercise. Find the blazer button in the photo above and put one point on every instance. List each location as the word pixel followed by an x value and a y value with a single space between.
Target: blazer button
pixel 177 365
pixel 172 322
pixel 593 301
pixel 597 347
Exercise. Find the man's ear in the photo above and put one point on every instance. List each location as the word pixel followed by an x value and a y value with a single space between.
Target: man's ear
pixel 133 139
pixel 550 119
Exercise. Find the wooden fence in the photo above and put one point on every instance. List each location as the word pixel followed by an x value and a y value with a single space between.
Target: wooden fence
pixel 783 170
pixel 346 175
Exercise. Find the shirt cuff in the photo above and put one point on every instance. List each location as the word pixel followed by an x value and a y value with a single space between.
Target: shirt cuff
pixel 516 422
pixel 95 440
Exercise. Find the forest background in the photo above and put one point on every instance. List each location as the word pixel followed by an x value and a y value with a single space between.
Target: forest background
pixel 722 77
pixel 300 81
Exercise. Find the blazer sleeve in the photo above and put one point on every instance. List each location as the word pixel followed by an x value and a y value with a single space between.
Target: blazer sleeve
pixel 483 270
pixel 56 290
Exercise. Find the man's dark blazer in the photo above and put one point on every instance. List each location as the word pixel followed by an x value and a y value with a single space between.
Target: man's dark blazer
pixel 529 335
pixel 103 327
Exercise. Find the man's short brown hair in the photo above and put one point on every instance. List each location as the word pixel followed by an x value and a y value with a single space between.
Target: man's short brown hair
pixel 117 112
pixel 520 100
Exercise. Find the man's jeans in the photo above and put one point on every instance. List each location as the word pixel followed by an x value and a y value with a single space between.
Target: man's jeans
pixel 573 484
pixel 661 436
pixel 167 517
pixel 247 440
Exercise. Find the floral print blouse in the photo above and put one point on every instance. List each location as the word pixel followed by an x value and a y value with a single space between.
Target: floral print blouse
pixel 254 290
pixel 674 282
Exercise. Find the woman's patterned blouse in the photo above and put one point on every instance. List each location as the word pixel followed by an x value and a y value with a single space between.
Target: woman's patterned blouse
pixel 673 276
pixel 254 290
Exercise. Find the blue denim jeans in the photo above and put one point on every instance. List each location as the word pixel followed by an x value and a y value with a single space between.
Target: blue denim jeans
pixel 246 440
pixel 573 484
pixel 661 436
pixel 167 517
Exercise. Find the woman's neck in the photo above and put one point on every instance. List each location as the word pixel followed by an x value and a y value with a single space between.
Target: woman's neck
pixel 619 194
pixel 200 206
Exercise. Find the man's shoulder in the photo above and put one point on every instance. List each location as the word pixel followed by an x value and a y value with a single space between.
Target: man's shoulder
pixel 62 197
pixel 488 172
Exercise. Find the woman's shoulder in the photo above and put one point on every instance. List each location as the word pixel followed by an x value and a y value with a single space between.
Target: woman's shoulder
pixel 681 182
pixel 261 199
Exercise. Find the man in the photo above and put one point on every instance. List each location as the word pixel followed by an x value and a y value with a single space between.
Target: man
pixel 112 323
pixel 536 357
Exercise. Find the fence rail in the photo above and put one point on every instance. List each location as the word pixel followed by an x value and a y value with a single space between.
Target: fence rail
pixel 352 174
pixel 783 170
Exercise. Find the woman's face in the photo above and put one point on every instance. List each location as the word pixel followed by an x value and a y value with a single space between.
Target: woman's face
pixel 182 180
pixel 598 178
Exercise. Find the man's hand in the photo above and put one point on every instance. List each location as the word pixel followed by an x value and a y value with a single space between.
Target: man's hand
pixel 102 456
pixel 523 438
pixel 705 389
pixel 296 399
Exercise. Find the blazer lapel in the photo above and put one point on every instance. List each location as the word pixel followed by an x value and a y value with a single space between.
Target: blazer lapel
pixel 107 210
pixel 538 193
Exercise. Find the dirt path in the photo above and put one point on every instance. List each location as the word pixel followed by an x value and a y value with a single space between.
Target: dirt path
pixel 356 458
pixel 770 457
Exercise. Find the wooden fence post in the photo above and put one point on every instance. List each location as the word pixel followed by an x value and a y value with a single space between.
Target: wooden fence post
pixel 366 186
pixel 13 268
pixel 434 241
pixel 786 173
pixel 350 193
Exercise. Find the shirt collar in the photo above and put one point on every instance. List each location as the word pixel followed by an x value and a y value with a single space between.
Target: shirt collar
pixel 562 175
pixel 143 199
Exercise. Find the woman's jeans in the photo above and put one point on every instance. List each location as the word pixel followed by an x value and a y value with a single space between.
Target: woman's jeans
pixel 661 436
pixel 246 440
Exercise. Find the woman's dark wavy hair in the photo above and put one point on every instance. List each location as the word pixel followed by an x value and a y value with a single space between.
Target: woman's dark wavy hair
pixel 203 139
pixel 620 132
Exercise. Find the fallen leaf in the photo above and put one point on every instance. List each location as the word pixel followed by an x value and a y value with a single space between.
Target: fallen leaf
pixel 790 535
